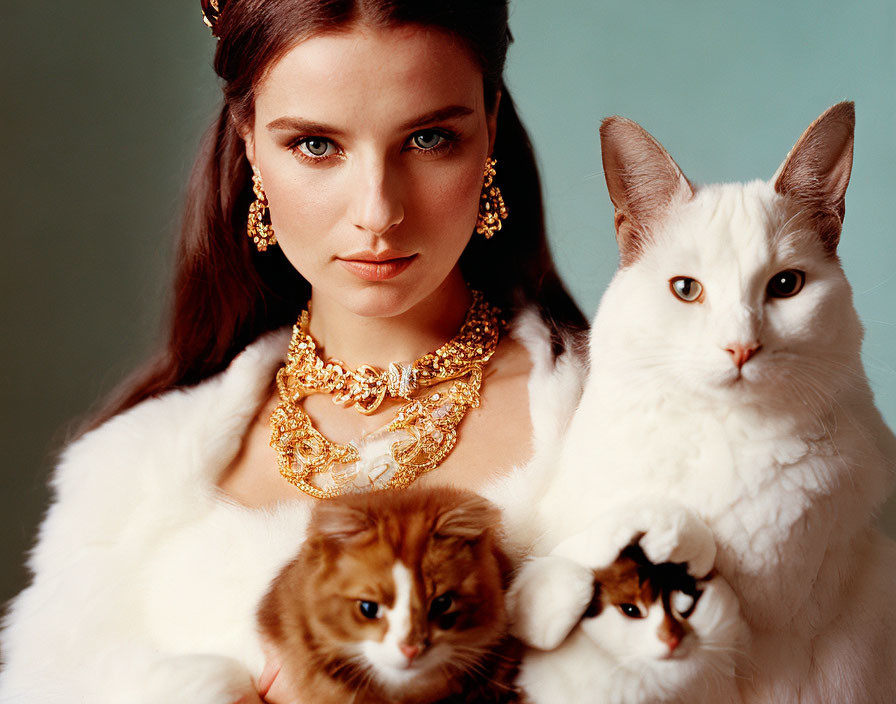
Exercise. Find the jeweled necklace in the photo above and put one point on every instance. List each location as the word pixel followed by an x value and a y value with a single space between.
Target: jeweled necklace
pixel 420 436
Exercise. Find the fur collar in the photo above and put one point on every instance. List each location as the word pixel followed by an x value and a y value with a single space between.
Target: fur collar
pixel 139 559
pixel 165 453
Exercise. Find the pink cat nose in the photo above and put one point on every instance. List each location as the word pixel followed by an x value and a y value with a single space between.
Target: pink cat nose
pixel 740 353
pixel 409 651
pixel 673 640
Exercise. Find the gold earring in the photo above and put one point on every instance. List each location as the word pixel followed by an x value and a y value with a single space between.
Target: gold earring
pixel 491 203
pixel 259 228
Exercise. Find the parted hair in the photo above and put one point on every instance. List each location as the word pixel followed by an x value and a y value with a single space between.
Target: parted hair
pixel 226 293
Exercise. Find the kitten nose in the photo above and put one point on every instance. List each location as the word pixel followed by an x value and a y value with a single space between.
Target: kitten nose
pixel 740 353
pixel 409 651
pixel 673 640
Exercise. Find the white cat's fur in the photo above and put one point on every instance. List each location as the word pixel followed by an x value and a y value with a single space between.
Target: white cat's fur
pixel 787 465
pixel 611 659
pixel 625 666
pixel 147 579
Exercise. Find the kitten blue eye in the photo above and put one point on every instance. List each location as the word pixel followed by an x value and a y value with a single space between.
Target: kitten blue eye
pixel 631 610
pixel 369 609
pixel 440 605
pixel 427 139
pixel 785 284
pixel 687 289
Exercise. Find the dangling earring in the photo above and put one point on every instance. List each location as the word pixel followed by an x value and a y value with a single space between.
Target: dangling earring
pixel 491 203
pixel 259 229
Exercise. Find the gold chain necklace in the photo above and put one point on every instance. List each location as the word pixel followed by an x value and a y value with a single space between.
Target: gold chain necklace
pixel 419 437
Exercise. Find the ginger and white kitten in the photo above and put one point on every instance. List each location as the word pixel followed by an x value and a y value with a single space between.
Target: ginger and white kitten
pixel 396 597
pixel 649 633
pixel 726 381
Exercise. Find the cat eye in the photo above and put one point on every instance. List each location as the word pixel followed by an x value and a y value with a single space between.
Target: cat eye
pixel 631 611
pixel 687 289
pixel 785 284
pixel 440 605
pixel 369 609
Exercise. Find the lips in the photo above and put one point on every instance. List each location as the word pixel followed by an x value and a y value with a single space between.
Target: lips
pixel 377 266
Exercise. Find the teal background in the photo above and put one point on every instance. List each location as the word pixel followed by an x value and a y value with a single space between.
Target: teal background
pixel 102 107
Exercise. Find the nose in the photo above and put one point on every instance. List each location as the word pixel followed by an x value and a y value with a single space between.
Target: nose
pixel 673 640
pixel 376 199
pixel 671 633
pixel 409 651
pixel 742 352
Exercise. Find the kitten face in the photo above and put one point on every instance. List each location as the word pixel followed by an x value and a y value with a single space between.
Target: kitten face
pixel 736 288
pixel 640 611
pixel 406 621
pixel 403 590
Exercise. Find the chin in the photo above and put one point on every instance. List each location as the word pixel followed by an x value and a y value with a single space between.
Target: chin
pixel 754 387
pixel 379 300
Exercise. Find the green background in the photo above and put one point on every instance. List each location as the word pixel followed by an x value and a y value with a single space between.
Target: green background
pixel 103 105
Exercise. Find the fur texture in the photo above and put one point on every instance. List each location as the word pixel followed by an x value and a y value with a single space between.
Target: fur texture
pixel 146 580
pixel 648 633
pixel 397 597
pixel 746 408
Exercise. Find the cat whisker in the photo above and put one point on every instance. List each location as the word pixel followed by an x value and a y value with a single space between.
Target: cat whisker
pixel 876 286
pixel 783 231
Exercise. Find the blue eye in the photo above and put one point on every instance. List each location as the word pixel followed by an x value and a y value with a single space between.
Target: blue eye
pixel 369 609
pixel 315 147
pixel 427 139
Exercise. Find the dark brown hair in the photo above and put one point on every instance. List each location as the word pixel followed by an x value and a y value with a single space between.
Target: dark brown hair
pixel 226 293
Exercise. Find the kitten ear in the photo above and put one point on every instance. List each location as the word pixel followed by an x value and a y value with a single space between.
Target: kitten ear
pixel 643 181
pixel 816 172
pixel 468 519
pixel 337 521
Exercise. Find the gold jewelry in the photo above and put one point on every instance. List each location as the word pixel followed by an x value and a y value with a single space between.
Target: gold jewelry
pixel 491 204
pixel 210 13
pixel 259 229
pixel 420 436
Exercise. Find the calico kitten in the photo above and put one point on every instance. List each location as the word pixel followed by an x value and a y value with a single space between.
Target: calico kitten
pixel 727 407
pixel 649 633
pixel 397 597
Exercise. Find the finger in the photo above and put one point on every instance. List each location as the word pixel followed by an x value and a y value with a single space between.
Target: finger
pixel 268 675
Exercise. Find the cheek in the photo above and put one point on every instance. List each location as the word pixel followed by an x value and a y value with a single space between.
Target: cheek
pixel 303 211
pixel 444 204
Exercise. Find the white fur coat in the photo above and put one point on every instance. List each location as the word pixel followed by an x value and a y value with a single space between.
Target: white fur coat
pixel 146 578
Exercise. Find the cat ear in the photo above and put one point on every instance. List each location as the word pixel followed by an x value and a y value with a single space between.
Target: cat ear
pixel 336 521
pixel 468 519
pixel 816 172
pixel 643 181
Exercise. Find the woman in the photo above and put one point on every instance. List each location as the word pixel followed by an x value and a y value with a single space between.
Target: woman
pixel 367 166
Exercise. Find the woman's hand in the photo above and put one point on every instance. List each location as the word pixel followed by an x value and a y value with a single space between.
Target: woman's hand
pixel 271 670
pixel 275 686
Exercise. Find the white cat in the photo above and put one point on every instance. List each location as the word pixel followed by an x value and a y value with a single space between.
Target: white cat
pixel 640 633
pixel 726 378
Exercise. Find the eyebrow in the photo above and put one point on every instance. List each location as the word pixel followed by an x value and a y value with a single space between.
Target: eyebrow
pixel 298 124
pixel 447 113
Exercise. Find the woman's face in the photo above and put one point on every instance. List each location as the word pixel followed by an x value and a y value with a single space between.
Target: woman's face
pixel 371 145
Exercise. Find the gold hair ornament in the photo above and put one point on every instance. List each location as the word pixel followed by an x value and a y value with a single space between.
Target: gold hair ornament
pixel 259 227
pixel 492 210
pixel 210 13
pixel 419 437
